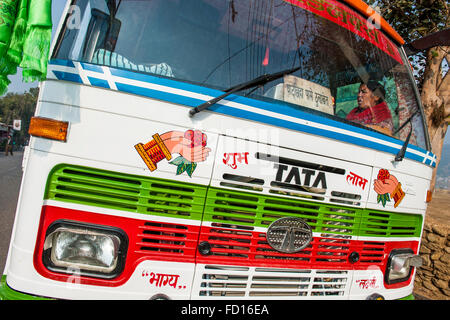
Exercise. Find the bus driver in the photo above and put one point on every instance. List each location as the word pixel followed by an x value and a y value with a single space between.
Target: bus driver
pixel 372 111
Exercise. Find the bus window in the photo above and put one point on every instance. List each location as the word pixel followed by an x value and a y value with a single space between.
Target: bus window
pixel 395 107
pixel 368 104
pixel 220 44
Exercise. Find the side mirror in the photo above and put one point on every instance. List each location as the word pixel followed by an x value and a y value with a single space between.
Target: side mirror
pixel 440 38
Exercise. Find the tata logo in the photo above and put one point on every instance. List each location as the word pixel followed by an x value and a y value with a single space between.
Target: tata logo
pixel 305 177
pixel 289 235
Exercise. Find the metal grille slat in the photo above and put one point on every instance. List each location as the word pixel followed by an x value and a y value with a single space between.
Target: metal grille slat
pixel 160 197
pixel 270 282
pixel 260 210
pixel 127 192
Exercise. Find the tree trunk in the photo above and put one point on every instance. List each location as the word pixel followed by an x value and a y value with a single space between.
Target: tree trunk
pixel 435 100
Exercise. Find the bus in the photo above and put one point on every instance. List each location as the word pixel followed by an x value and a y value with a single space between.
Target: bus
pixel 222 149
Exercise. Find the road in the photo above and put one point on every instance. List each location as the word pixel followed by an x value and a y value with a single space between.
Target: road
pixel 10 178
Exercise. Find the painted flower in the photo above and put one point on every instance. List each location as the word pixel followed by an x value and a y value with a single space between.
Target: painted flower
pixel 383 174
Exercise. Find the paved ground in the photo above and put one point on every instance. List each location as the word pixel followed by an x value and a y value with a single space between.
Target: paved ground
pixel 10 178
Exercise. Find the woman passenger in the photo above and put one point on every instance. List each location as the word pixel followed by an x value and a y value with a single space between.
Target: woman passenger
pixel 372 111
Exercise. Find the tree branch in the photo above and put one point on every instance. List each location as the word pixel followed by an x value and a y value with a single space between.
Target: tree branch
pixel 431 76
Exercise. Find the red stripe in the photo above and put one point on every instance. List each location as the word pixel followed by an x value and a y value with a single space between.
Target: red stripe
pixel 251 249
pixel 152 240
pixel 147 240
pixel 347 18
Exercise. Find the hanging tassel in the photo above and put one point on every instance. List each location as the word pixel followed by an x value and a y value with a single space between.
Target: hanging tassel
pixel 36 47
pixel 19 32
pixel 13 56
pixel 36 53
pixel 8 11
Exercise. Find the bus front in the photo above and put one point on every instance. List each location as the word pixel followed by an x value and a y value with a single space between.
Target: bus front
pixel 222 149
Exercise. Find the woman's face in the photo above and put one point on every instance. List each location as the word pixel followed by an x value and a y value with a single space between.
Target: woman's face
pixel 366 98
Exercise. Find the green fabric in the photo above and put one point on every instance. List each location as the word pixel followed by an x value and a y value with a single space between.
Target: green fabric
pixel 8 12
pixel 25 36
pixel 18 36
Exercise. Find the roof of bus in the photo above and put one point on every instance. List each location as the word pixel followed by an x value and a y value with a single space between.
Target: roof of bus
pixel 362 7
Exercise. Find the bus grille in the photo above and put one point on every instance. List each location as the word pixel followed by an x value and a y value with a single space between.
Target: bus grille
pixel 126 192
pixel 239 246
pixel 228 282
pixel 167 241
pixel 232 222
pixel 249 211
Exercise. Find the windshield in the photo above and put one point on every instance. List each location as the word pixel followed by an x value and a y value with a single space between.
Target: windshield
pixel 349 70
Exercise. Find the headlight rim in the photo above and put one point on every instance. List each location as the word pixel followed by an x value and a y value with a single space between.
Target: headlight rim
pixel 392 254
pixel 104 229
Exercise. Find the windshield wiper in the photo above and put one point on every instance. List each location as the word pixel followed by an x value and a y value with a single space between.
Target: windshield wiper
pixel 259 81
pixel 401 154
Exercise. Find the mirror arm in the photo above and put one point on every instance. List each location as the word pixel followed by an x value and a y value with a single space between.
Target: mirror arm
pixel 440 38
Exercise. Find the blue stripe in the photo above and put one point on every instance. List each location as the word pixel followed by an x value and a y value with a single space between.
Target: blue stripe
pixel 64 63
pixel 312 130
pixel 68 76
pixel 165 96
pixel 160 95
pixel 413 156
pixel 99 82
pixel 91 67
pixel 280 108
pixel 276 108
pixel 294 112
pixel 192 102
pixel 300 127
pixel 165 82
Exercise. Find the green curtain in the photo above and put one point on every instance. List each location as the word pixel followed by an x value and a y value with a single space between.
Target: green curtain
pixel 25 36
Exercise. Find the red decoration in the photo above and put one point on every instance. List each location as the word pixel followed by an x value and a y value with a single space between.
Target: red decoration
pixel 383 174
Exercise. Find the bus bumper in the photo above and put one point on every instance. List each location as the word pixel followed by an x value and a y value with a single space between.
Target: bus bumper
pixel 6 293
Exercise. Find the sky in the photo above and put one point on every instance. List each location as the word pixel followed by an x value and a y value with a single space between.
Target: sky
pixel 57 8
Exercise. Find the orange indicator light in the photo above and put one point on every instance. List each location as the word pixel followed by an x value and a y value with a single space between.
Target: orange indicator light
pixel 429 195
pixel 48 128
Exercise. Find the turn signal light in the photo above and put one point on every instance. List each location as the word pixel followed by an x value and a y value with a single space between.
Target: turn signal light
pixel 48 128
pixel 429 196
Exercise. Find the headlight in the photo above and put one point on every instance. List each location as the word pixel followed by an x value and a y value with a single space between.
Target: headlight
pixel 400 265
pixel 72 247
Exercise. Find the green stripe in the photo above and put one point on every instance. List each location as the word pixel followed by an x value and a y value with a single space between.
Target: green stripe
pixel 241 208
pixel 388 224
pixel 125 192
pixel 225 206
pixel 169 198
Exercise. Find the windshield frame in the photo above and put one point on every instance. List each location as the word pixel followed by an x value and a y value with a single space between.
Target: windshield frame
pixel 417 96
pixel 68 11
